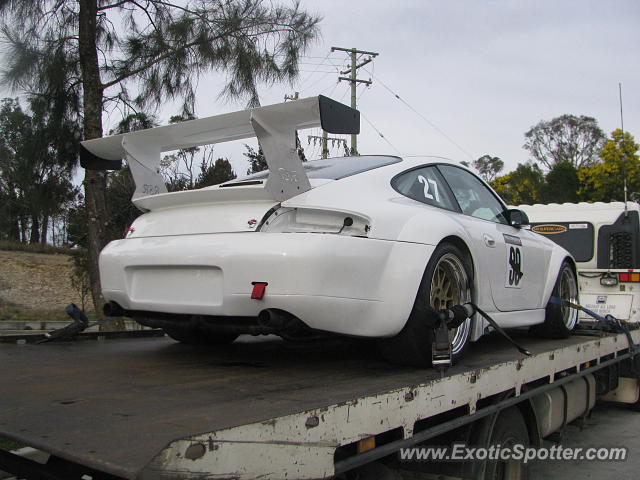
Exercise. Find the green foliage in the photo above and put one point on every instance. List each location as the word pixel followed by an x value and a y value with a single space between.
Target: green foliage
pixel 122 212
pixel 8 445
pixel 605 181
pixel 561 184
pixel 522 186
pixel 257 162
pixel 37 158
pixel 135 121
pixel 219 172
pixel 487 166
pixel 565 139
pixel 80 278
pixel 166 46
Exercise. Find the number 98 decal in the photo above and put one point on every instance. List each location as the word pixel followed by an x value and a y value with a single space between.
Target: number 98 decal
pixel 514 267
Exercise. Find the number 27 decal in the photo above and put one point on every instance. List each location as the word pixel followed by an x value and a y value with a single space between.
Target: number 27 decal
pixel 426 183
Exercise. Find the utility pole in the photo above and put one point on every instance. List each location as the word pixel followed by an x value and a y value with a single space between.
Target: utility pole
pixel 324 140
pixel 353 80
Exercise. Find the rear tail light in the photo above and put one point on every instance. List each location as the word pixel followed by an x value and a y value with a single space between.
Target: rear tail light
pixel 629 277
pixel 310 220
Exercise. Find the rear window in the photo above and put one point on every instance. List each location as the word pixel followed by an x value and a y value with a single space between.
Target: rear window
pixel 332 168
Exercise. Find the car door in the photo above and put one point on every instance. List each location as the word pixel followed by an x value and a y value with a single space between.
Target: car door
pixel 510 258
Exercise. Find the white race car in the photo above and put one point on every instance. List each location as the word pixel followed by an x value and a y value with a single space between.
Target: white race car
pixel 367 246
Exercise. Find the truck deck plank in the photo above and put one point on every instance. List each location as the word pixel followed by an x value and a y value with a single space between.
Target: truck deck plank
pixel 113 405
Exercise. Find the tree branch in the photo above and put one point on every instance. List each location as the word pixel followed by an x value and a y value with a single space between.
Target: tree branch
pixel 114 5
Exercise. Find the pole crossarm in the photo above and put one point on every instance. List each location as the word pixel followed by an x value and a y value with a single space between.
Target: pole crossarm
pixel 361 64
pixel 357 80
pixel 354 50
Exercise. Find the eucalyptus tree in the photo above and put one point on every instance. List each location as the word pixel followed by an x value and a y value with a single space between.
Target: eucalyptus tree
pixel 576 140
pixel 37 157
pixel 84 55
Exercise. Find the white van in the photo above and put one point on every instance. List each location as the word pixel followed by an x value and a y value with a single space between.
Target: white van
pixel 604 239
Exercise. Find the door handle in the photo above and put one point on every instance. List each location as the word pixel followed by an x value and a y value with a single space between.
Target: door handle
pixel 488 241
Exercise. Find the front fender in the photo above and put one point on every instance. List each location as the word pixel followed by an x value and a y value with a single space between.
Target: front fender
pixel 558 256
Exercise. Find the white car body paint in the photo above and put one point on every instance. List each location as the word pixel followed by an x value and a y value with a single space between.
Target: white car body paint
pixel 196 252
pixel 342 252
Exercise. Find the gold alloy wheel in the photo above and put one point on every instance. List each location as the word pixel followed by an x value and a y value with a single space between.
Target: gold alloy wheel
pixel 449 287
pixel 568 291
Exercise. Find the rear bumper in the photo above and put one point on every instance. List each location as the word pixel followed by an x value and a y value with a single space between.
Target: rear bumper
pixel 341 284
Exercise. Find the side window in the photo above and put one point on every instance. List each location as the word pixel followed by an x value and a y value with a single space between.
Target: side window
pixel 474 198
pixel 424 185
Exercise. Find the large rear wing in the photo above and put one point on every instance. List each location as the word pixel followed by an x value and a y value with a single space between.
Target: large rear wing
pixel 274 125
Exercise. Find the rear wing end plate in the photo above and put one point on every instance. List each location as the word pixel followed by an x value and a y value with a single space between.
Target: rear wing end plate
pixel 275 127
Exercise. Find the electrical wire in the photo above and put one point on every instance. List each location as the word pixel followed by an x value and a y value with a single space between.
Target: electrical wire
pixel 317 68
pixel 380 134
pixel 435 127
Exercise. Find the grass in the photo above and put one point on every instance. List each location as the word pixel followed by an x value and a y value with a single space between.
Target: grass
pixel 6 444
pixel 33 248
pixel 14 313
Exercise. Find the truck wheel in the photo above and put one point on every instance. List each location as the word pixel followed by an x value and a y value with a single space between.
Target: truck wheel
pixel 446 282
pixel 509 429
pixel 560 320
pixel 199 337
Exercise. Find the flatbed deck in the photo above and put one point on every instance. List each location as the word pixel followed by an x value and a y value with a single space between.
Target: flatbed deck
pixel 114 405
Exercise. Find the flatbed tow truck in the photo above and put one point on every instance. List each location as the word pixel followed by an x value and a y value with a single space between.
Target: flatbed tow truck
pixel 150 408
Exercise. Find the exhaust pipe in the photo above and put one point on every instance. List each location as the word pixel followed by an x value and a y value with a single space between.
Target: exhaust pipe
pixel 285 324
pixel 112 309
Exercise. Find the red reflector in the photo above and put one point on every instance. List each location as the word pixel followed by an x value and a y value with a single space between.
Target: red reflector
pixel 624 277
pixel 258 290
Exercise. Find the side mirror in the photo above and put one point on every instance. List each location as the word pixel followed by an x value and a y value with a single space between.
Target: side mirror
pixel 517 218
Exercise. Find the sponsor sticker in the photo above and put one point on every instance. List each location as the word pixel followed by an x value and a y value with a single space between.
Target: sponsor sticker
pixel 578 226
pixel 549 229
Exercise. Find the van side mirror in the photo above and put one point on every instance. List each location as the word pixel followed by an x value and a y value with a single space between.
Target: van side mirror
pixel 517 218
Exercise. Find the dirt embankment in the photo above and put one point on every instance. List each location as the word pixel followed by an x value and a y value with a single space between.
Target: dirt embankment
pixel 37 281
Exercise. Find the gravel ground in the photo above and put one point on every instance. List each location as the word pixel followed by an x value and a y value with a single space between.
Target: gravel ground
pixel 36 281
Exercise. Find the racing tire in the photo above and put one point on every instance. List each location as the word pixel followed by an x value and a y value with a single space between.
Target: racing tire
pixel 509 430
pixel 560 320
pixel 447 281
pixel 199 337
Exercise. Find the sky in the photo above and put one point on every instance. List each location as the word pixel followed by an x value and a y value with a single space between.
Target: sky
pixel 473 75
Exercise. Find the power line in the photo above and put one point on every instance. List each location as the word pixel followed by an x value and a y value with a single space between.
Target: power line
pixel 314 71
pixel 380 134
pixel 435 127
pixel 317 71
